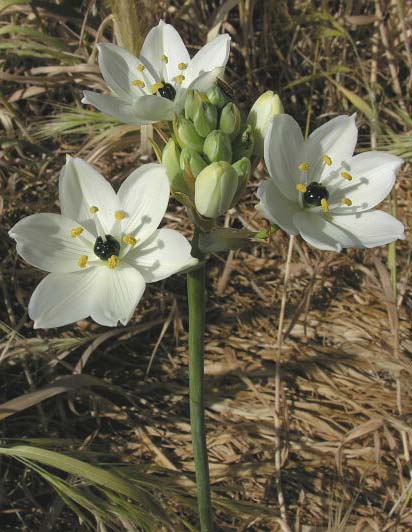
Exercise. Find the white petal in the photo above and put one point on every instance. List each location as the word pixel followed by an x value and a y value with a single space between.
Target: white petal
pixel 118 291
pixel 165 253
pixel 63 298
pixel 143 110
pixel 283 153
pixel 276 207
pixel 119 69
pixel 367 229
pixel 336 139
pixel 214 54
pixel 45 241
pixel 206 80
pixel 144 196
pixel 81 187
pixel 373 174
pixel 164 40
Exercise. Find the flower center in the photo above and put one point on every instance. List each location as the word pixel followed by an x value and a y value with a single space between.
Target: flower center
pixel 105 249
pixel 315 193
pixel 167 91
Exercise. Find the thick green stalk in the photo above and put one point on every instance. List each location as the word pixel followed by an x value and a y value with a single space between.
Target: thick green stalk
pixel 196 290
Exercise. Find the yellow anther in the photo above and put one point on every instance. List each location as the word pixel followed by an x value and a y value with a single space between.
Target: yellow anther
pixel 324 204
pixel 301 187
pixel 165 59
pixel 140 67
pixel 130 240
pixel 93 209
pixel 156 86
pixel 120 215
pixel 180 79
pixel 346 175
pixel 182 66
pixel 347 202
pixel 76 231
pixel 304 167
pixel 139 83
pixel 327 160
pixel 113 262
pixel 82 261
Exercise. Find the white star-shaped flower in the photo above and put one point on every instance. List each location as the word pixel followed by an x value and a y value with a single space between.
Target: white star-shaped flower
pixel 152 87
pixel 320 190
pixel 104 247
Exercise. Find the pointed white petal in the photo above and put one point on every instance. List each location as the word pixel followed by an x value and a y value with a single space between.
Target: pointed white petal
pixel 214 54
pixel 206 80
pixel 81 187
pixel 165 253
pixel 320 233
pixel 63 298
pixel 336 139
pixel 164 40
pixel 276 207
pixel 283 154
pixel 45 241
pixel 118 291
pixel 144 196
pixel 373 176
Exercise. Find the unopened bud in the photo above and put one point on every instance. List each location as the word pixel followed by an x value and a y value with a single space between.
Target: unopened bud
pixel 193 100
pixel 263 110
pixel 230 119
pixel 243 168
pixel 171 160
pixel 217 147
pixel 216 96
pixel 215 188
pixel 205 119
pixel 192 160
pixel 186 135
pixel 244 143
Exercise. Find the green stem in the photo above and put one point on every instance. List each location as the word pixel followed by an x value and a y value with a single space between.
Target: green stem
pixel 196 290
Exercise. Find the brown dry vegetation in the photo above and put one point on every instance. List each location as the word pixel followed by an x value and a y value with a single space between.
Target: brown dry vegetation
pixel 342 430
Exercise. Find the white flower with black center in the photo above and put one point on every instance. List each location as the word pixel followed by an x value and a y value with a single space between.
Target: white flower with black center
pixel 104 247
pixel 152 87
pixel 320 190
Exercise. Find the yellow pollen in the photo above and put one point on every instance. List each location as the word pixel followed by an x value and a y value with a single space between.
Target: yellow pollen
pixel 180 78
pixel 140 67
pixel 82 261
pixel 182 66
pixel 301 187
pixel 325 205
pixel 93 209
pixel 347 202
pixel 120 215
pixel 76 231
pixel 113 262
pixel 346 175
pixel 139 83
pixel 155 87
pixel 304 167
pixel 165 59
pixel 327 160
pixel 129 239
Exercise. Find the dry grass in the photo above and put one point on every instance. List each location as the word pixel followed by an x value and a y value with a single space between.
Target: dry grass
pixel 344 426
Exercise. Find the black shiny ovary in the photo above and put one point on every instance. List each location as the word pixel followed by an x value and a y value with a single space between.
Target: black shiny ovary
pixel 315 193
pixel 167 91
pixel 104 249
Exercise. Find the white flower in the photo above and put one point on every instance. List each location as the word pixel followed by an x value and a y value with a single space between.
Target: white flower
pixel 320 190
pixel 103 248
pixel 153 87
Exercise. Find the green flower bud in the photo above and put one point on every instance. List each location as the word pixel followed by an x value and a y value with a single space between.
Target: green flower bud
pixel 230 119
pixel 205 119
pixel 186 134
pixel 243 168
pixel 191 159
pixel 263 110
pixel 217 147
pixel 215 188
pixel 244 143
pixel 216 96
pixel 193 100
pixel 171 160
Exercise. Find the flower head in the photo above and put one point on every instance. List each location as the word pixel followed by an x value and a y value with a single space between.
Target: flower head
pixel 319 189
pixel 104 247
pixel 153 87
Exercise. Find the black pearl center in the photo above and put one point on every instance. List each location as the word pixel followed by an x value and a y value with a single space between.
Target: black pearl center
pixel 315 193
pixel 167 91
pixel 104 249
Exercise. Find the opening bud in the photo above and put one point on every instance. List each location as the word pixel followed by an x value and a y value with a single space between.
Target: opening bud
pixel 205 119
pixel 217 147
pixel 186 134
pixel 217 97
pixel 244 142
pixel 192 160
pixel 215 188
pixel 230 119
pixel 263 110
